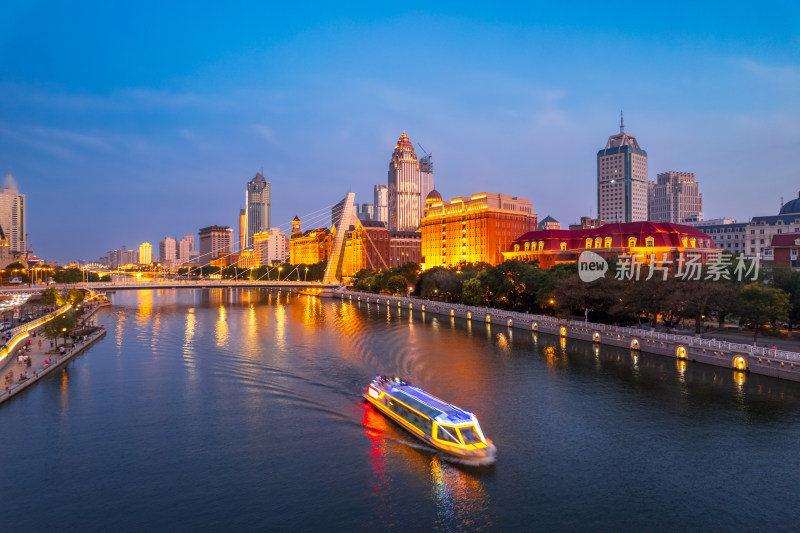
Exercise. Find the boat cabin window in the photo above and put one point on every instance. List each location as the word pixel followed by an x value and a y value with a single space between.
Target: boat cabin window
pixel 448 434
pixel 469 435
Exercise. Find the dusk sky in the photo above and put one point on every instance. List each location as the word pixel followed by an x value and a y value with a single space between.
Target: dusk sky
pixel 129 122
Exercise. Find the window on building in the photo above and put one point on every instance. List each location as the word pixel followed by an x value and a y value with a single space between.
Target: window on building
pixel 589 242
pixel 527 246
pixel 541 245
pixel 608 242
pixel 632 242
pixel 563 246
pixel 685 242
pixel 649 242
pixel 516 247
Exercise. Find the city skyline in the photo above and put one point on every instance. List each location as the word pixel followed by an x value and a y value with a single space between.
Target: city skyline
pixel 163 114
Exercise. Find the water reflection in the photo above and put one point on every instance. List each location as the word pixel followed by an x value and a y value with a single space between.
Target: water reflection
pixel 462 500
pixel 221 328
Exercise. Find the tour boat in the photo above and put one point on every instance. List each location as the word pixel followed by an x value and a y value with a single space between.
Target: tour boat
pixel 444 426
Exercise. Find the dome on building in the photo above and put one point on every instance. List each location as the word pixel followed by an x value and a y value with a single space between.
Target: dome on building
pixel 433 196
pixel 792 206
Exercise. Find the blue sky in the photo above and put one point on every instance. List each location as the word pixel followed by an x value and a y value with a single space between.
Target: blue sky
pixel 124 124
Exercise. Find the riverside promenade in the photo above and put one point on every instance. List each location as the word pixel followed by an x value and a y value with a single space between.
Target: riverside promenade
pixel 44 357
pixel 740 357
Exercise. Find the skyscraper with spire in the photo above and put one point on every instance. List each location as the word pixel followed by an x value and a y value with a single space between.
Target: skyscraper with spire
pixel 622 179
pixel 257 208
pixel 12 215
pixel 406 185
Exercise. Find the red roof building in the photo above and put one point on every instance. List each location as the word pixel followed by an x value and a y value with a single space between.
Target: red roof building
pixel 552 247
pixel 784 249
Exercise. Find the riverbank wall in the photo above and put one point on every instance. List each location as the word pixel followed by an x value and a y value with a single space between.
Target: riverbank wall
pixel 738 357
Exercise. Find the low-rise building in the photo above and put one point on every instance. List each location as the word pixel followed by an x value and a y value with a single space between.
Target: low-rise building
pixel 405 247
pixel 311 247
pixel 552 247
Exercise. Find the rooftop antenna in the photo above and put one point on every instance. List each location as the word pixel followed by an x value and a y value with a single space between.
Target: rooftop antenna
pixel 621 123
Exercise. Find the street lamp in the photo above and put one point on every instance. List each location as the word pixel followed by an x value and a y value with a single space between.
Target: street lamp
pixel 280 269
pixel 64 331
pixel 305 278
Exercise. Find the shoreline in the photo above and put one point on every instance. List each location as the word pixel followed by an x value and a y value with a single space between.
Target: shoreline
pixel 738 357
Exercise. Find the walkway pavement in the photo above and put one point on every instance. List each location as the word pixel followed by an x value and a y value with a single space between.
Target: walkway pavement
pixel 38 353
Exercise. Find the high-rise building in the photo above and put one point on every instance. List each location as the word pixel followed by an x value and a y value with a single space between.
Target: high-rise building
pixel 367 212
pixel 381 204
pixel 258 207
pixel 674 197
pixel 426 180
pixel 185 249
pixel 168 252
pixel 215 241
pixel 622 179
pixel 145 253
pixel 242 228
pixel 12 216
pixel 473 229
pixel 406 200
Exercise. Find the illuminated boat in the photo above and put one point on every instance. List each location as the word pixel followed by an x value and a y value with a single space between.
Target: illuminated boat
pixel 444 426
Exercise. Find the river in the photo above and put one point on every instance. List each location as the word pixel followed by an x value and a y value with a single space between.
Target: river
pixel 241 410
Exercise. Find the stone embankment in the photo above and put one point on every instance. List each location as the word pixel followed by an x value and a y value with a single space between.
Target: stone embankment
pixel 739 357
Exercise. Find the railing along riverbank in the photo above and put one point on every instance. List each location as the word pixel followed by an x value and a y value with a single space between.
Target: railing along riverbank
pixel 740 357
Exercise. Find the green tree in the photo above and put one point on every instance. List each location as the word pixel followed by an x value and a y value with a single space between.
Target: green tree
pixel 75 296
pixel 397 285
pixel 759 305
pixel 440 284
pixel 61 325
pixel 53 297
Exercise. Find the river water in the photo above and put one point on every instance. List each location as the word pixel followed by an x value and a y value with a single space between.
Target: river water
pixel 241 410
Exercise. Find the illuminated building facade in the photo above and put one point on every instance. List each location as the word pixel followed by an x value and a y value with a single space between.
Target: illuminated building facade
pixel 258 207
pixel 366 246
pixel 674 197
pixel 552 247
pixel 270 247
pixel 242 228
pixel 473 229
pixel 622 186
pixel 405 247
pixel 12 216
pixel 215 241
pixel 145 253
pixel 311 247
pixel 407 191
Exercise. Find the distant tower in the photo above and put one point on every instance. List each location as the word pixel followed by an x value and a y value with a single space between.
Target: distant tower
pixel 296 231
pixel 12 215
pixel 258 207
pixel 381 203
pixel 242 228
pixel 426 178
pixel 145 253
pixel 622 179
pixel 405 184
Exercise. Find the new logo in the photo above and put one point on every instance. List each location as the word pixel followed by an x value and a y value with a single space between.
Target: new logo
pixel 591 266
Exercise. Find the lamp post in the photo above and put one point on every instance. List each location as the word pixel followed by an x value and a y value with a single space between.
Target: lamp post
pixel 64 331
pixel 280 269
pixel 305 278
